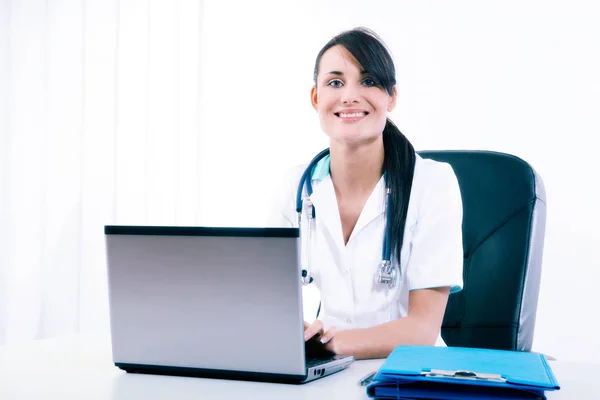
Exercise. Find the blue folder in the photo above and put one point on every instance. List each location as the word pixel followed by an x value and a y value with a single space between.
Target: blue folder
pixel 431 372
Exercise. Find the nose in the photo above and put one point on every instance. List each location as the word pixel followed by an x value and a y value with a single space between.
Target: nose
pixel 350 94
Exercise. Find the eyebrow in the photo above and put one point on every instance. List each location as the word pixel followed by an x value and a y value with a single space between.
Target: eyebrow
pixel 338 73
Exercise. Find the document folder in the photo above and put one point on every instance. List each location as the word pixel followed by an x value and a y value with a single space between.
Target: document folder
pixel 432 372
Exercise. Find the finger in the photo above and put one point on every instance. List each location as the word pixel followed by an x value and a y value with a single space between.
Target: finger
pixel 327 336
pixel 332 346
pixel 306 325
pixel 314 329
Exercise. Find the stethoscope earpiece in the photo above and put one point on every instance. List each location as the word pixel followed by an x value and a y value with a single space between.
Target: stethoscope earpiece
pixel 306 278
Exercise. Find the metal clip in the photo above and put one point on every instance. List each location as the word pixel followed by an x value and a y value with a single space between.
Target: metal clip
pixel 310 209
pixel 439 373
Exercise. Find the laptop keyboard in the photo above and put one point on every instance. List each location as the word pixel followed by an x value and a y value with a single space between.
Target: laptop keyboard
pixel 313 362
pixel 317 354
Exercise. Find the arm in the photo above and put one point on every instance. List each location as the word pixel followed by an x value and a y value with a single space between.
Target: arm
pixel 420 327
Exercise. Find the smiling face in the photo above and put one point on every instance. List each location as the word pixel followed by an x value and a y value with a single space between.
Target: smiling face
pixel 351 103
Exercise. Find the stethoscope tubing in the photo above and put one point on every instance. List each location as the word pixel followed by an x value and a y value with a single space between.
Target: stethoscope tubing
pixel 306 180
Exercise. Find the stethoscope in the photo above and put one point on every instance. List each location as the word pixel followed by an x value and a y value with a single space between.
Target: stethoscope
pixel 386 274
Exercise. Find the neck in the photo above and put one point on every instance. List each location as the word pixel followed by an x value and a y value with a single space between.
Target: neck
pixel 356 169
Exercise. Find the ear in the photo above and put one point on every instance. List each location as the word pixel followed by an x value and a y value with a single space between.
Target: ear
pixel 392 100
pixel 314 98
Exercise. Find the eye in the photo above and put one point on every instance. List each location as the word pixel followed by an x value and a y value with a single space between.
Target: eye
pixel 369 82
pixel 334 83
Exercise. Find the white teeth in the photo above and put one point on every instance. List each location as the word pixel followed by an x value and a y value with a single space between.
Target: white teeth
pixel 353 115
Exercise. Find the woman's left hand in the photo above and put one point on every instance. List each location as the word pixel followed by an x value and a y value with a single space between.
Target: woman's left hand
pixel 327 338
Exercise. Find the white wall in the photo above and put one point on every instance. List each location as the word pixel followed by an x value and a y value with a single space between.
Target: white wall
pixel 514 76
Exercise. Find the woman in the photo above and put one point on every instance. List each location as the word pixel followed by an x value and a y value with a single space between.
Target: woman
pixel 354 90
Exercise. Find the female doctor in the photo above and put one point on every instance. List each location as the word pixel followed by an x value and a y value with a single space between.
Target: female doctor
pixel 371 192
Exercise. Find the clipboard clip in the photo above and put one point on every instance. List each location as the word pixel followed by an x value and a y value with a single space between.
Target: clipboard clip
pixel 461 374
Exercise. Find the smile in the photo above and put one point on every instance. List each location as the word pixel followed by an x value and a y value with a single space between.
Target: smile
pixel 351 117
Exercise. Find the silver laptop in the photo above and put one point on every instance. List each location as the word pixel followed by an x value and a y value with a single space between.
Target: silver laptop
pixel 211 302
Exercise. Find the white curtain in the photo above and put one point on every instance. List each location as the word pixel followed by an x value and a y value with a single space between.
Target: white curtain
pixel 99 124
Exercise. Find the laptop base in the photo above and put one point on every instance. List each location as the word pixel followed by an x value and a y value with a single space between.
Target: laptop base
pixel 313 373
pixel 211 373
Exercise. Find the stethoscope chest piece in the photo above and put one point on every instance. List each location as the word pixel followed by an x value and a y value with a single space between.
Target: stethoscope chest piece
pixel 387 274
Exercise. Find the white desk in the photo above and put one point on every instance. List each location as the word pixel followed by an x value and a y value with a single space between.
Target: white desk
pixel 81 368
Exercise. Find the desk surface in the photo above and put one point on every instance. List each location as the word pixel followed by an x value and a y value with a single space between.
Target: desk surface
pixel 81 367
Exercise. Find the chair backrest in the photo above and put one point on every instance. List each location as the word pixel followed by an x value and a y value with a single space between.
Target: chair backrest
pixel 504 220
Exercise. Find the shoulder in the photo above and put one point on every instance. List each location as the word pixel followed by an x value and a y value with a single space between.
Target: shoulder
pixel 434 180
pixel 290 179
pixel 292 175
pixel 430 172
pixel 282 208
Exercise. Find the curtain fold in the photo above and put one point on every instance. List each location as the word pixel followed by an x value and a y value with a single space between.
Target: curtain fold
pixel 99 110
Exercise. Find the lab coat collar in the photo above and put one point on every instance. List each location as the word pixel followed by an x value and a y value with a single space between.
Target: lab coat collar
pixel 326 208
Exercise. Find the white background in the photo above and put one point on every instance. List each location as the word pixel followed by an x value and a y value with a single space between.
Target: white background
pixel 159 112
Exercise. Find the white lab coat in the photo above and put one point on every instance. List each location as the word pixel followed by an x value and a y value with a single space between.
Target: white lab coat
pixel 345 275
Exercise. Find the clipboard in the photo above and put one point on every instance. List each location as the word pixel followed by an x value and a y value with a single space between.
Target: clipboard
pixel 432 372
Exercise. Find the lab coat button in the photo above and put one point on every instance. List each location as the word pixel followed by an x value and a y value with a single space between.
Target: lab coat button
pixel 349 321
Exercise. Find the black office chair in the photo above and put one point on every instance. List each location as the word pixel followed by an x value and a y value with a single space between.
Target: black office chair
pixel 504 220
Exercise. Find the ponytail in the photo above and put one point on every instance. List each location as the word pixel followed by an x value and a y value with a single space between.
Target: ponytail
pixel 372 55
pixel 399 166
